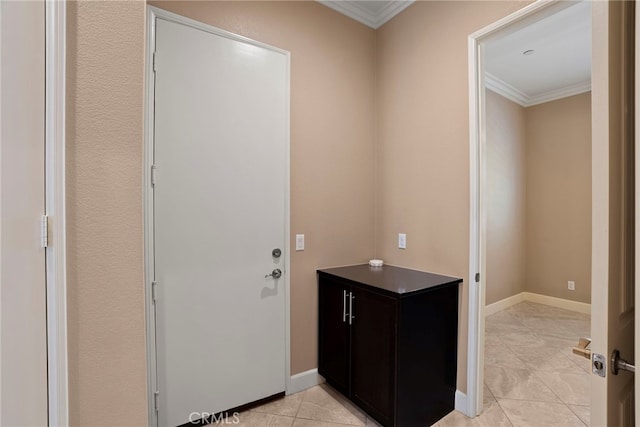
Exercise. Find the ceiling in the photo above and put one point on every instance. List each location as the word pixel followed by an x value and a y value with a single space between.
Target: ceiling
pixel 371 13
pixel 560 65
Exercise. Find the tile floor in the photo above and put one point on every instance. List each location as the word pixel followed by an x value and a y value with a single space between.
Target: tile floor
pixel 531 379
pixel 320 406
pixel 531 376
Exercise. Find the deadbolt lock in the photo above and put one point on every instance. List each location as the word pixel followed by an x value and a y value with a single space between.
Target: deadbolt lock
pixel 276 253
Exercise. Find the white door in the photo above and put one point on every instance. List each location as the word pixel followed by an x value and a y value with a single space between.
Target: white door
pixel 220 156
pixel 23 339
pixel 612 300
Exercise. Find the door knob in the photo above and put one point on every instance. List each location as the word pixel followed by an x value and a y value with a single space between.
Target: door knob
pixel 619 364
pixel 276 273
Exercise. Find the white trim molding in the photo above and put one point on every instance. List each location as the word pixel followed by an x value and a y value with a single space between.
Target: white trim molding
pixel 460 402
pixel 580 307
pixel 503 88
pixel 149 276
pixel 57 361
pixel 513 94
pixel 504 303
pixel 304 380
pixel 560 93
pixel 356 11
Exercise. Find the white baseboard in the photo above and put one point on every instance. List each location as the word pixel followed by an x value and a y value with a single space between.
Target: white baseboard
pixel 461 402
pixel 566 304
pixel 504 303
pixel 304 380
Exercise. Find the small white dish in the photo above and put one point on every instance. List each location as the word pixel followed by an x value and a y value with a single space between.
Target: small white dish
pixel 376 263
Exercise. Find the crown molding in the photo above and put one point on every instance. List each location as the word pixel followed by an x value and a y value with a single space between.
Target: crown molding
pixel 354 10
pixel 563 92
pixel 390 10
pixel 511 93
pixel 505 89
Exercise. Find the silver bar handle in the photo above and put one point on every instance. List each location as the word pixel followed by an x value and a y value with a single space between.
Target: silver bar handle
pixel 351 316
pixel 344 306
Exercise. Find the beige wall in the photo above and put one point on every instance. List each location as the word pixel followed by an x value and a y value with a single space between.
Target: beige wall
pixel 539 198
pixel 423 139
pixel 332 174
pixel 506 196
pixel 106 323
pixel 559 198
pixel 414 146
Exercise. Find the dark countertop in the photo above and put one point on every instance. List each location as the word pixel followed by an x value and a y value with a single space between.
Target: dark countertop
pixel 397 280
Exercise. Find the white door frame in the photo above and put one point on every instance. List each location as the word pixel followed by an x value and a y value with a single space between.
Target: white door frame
pixel 478 187
pixel 55 199
pixel 152 14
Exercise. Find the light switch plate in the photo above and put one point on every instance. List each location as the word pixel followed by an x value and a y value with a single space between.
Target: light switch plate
pixel 299 242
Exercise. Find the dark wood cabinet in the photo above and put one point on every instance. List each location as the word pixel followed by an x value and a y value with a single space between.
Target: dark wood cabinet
pixel 373 351
pixel 388 341
pixel 336 332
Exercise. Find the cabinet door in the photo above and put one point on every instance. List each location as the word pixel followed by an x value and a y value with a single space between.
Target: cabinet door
pixel 373 353
pixel 333 333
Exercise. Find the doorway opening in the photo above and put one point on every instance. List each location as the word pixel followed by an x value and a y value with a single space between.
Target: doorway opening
pixel 530 72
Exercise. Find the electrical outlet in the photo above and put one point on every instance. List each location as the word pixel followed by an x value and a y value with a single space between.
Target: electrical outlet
pixel 571 285
pixel 402 241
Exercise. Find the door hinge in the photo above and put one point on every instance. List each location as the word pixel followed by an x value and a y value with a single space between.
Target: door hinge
pixel 477 277
pixel 44 231
pixel 154 61
pixel 153 175
pixel 153 291
pixel 156 398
